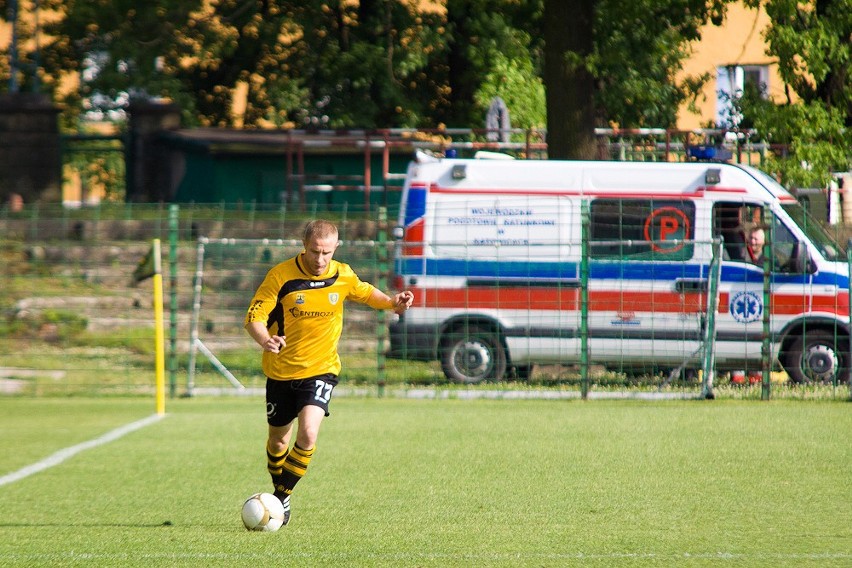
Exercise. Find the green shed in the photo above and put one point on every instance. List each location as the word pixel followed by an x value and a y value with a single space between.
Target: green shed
pixel 355 169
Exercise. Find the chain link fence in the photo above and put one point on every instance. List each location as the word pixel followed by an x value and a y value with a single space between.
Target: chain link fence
pixel 74 323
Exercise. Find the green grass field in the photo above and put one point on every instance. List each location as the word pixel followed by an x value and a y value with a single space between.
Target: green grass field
pixel 400 482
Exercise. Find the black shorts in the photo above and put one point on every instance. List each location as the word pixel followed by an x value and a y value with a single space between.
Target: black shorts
pixel 284 399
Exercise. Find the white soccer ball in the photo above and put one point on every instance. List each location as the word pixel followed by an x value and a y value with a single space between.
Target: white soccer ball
pixel 263 512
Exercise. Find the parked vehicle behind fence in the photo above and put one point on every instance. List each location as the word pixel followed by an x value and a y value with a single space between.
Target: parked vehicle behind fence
pixel 494 252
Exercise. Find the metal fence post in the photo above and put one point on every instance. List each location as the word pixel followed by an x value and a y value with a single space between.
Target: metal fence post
pixel 584 301
pixel 174 213
pixel 709 360
pixel 766 346
pixel 381 282
pixel 849 308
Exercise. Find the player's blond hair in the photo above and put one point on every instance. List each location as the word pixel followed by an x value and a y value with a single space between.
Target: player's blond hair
pixel 319 229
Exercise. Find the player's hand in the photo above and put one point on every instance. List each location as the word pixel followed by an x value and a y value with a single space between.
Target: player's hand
pixel 274 344
pixel 403 301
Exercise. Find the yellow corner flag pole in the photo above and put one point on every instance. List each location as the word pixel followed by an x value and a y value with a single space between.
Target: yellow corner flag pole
pixel 159 335
pixel 151 267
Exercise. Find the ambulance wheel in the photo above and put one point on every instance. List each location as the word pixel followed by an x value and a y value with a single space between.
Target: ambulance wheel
pixel 472 356
pixel 815 357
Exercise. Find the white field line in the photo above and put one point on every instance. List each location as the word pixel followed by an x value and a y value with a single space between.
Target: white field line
pixel 71 451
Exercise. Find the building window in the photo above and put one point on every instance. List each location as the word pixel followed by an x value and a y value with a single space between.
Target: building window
pixel 731 82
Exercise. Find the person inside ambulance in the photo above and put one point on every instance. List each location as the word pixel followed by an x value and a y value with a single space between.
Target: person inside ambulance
pixel 788 254
pixel 755 238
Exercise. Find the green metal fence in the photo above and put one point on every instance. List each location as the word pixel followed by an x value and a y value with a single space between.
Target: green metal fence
pixel 73 323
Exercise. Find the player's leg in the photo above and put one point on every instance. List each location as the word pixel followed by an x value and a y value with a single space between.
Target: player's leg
pixel 296 461
pixel 277 452
pixel 310 419
pixel 294 464
pixel 315 396
pixel 277 449
pixel 311 397
pixel 281 411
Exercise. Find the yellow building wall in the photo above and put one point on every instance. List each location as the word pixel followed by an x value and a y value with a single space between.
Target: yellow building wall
pixel 738 41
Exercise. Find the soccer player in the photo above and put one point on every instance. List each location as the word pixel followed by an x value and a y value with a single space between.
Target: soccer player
pixel 296 316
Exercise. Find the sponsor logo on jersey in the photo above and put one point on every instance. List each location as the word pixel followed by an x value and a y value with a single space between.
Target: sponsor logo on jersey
pixel 313 284
pixel 297 313
pixel 300 298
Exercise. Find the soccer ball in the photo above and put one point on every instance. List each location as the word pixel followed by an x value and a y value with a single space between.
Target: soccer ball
pixel 263 512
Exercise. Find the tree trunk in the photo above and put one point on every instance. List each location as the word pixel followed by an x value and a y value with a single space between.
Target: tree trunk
pixel 570 96
pixel 460 73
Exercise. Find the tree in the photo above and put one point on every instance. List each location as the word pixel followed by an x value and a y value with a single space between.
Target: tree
pixel 303 63
pixel 493 48
pixel 401 63
pixel 518 84
pixel 813 44
pixel 615 62
pixel 640 48
pixel 120 49
pixel 571 91
pixel 368 64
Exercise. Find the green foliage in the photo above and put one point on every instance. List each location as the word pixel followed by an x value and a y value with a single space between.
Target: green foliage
pixel 139 341
pixel 311 63
pixel 100 164
pixel 133 46
pixel 520 87
pixel 639 49
pixel 490 48
pixel 813 136
pixel 51 325
pixel 365 64
pixel 813 45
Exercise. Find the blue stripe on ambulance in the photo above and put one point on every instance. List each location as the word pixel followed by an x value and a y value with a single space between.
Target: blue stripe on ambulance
pixel 599 270
pixel 415 205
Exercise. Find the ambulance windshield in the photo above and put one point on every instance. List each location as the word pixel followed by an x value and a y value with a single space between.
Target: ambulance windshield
pixel 826 245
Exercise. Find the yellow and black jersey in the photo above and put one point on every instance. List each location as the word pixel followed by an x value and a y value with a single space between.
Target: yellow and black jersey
pixel 308 312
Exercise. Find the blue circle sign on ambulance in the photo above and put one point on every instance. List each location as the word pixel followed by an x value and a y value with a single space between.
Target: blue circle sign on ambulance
pixel 746 307
pixel 667 224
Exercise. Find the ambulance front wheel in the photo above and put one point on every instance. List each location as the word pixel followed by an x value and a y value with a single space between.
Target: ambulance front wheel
pixel 815 357
pixel 472 356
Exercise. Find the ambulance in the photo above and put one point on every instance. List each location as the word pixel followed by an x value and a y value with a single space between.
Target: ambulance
pixel 513 262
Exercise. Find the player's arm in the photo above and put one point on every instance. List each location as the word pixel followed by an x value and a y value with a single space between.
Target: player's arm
pixel 257 316
pixel 398 302
pixel 257 330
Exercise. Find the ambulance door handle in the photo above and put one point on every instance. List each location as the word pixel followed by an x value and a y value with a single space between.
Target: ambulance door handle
pixel 691 285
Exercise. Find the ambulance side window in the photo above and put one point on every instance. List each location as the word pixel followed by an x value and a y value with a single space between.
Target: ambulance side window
pixel 642 229
pixel 788 254
pixel 728 225
pixel 730 221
